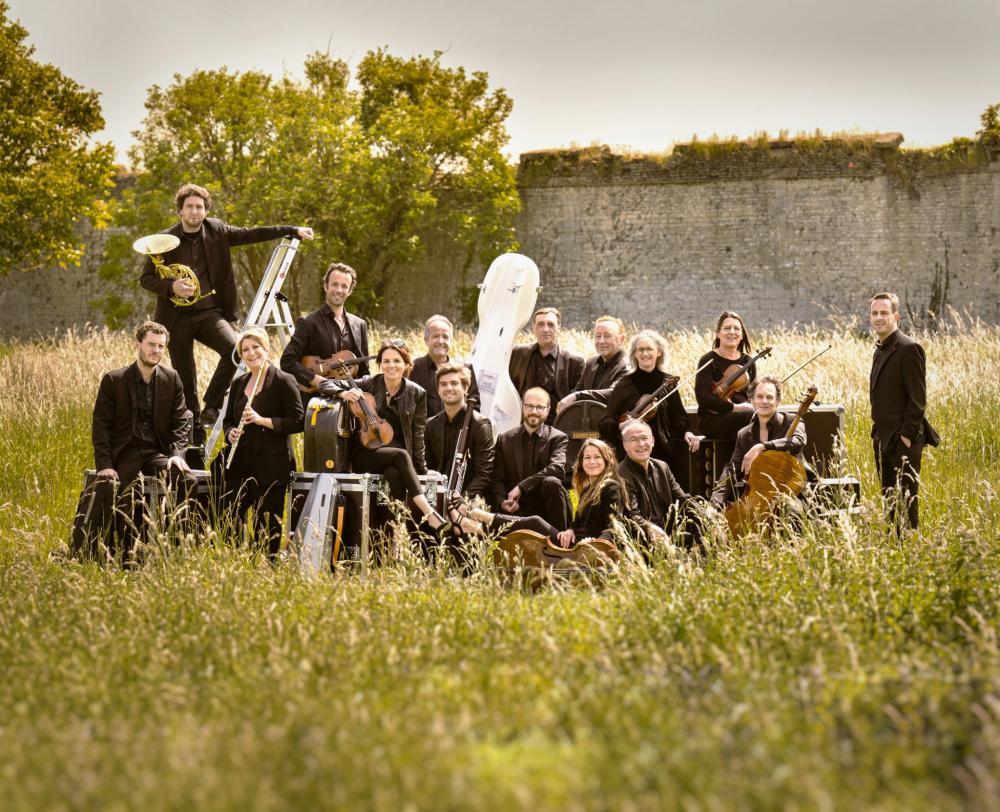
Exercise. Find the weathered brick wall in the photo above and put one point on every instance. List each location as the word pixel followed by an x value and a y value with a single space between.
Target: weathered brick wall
pixel 780 235
pixel 781 232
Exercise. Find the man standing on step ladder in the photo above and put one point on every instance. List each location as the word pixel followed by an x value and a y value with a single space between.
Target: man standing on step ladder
pixel 204 247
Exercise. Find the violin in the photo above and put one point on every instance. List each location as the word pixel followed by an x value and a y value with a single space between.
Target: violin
pixel 333 367
pixel 373 431
pixel 737 377
pixel 645 407
pixel 772 474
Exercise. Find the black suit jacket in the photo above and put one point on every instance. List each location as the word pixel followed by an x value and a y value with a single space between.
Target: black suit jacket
pixel 218 237
pixel 510 468
pixel 412 406
pixel 479 470
pixel 612 371
pixel 314 336
pixel 569 368
pixel 898 391
pixel 270 449
pixel 425 373
pixel 116 410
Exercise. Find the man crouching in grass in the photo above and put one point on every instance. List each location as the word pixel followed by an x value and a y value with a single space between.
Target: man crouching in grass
pixel 140 426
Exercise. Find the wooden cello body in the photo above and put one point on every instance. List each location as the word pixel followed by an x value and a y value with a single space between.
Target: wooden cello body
pixel 507 299
pixel 773 475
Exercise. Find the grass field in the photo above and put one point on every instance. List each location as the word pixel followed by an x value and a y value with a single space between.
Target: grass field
pixel 840 668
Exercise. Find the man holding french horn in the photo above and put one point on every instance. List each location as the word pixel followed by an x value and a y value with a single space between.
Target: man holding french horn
pixel 196 292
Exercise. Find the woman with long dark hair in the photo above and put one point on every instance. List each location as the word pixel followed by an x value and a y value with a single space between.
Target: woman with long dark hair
pixel 721 419
pixel 403 405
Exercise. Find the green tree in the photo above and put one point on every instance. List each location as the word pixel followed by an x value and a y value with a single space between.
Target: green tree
pixel 414 153
pixel 50 175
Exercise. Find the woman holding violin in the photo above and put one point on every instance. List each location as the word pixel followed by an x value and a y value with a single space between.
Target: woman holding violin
pixel 262 413
pixel 392 413
pixel 633 394
pixel 721 388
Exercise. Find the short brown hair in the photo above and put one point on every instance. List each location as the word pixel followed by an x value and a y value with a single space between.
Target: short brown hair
pixel 192 190
pixel 766 379
pixel 744 345
pixel 892 297
pixel 341 267
pixel 399 346
pixel 150 327
pixel 543 310
pixel 454 368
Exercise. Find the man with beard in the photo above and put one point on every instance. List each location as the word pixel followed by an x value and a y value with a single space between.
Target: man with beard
pixel 327 330
pixel 140 426
pixel 438 331
pixel 530 466
pixel 204 248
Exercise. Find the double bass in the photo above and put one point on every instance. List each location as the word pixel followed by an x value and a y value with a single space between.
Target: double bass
pixel 772 475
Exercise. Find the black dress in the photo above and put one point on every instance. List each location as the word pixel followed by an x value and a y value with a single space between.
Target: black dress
pixel 718 419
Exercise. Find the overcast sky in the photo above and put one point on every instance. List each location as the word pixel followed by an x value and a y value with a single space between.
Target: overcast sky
pixel 630 74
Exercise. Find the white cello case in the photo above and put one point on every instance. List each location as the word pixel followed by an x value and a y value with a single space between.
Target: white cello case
pixel 507 299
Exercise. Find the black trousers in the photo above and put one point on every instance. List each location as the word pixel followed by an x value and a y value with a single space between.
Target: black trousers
pixel 245 488
pixel 392 463
pixel 209 328
pixel 109 513
pixel 899 473
pixel 549 502
pixel 504 523
pixel 724 426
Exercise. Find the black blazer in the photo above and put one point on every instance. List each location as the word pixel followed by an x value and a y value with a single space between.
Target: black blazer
pixel 748 436
pixel 116 410
pixel 614 370
pixel 510 468
pixel 218 237
pixel 569 368
pixel 479 470
pixel 270 450
pixel 424 373
pixel 653 495
pixel 314 336
pixel 898 391
pixel 412 406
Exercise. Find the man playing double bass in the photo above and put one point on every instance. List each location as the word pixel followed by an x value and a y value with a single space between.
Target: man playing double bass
pixel 204 248
pixel 327 330
pixel 453 380
pixel 898 392
pixel 765 432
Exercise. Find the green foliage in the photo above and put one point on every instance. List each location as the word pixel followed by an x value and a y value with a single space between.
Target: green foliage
pixel 839 668
pixel 50 176
pixel 414 152
pixel 989 135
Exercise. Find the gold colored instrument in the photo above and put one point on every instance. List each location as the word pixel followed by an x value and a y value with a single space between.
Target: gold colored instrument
pixel 154 246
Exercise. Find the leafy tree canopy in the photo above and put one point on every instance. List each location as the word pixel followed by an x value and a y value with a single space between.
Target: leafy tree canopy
pixel 410 151
pixel 50 175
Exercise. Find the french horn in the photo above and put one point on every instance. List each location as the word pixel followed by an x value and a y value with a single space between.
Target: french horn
pixel 155 246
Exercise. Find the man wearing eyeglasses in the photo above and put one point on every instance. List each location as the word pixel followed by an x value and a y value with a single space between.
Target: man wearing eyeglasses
pixel 530 465
pixel 653 492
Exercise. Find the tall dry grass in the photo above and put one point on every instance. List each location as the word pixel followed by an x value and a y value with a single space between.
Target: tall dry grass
pixel 838 667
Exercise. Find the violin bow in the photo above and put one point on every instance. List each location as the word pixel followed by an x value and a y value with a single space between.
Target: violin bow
pixel 807 363
pixel 655 404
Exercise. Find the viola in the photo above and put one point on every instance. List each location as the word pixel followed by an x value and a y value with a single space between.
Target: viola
pixel 772 475
pixel 373 431
pixel 333 367
pixel 737 377
pixel 645 407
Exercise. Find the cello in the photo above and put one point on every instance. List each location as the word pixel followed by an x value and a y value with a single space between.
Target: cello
pixel 736 378
pixel 772 474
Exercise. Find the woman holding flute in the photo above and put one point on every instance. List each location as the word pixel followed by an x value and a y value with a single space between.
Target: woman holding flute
pixel 263 411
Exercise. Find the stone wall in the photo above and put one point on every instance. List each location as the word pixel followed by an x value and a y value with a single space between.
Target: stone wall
pixel 785 232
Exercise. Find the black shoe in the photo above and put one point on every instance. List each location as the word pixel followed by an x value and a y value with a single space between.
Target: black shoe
pixel 209 416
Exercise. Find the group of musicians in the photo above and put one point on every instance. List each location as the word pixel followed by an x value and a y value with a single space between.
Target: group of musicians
pixel 415 409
